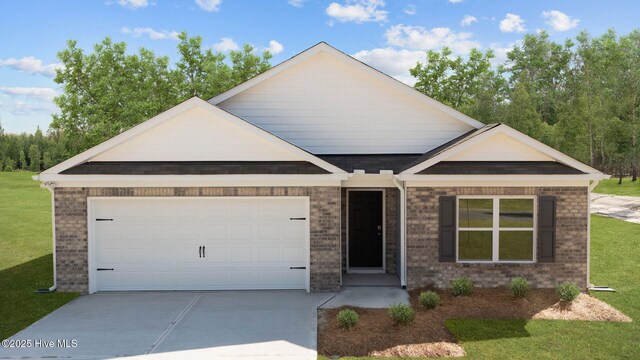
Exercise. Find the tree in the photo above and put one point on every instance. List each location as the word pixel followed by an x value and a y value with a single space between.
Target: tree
pixel 109 91
pixel 521 114
pixel 543 64
pixel 206 74
pixel 34 158
pixel 47 161
pixel 470 85
pixel 22 161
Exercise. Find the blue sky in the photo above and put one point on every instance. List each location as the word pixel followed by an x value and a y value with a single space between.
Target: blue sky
pixel 389 35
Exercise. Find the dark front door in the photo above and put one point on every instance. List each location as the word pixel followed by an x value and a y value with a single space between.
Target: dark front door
pixel 365 229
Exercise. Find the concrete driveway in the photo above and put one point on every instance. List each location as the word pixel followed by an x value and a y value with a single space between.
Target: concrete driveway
pixel 193 325
pixel 622 207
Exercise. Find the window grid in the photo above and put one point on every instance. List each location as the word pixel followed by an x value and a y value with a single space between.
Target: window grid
pixel 495 229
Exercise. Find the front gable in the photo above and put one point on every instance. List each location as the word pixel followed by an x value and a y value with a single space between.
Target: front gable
pixel 498 150
pixel 500 147
pixel 329 103
pixel 190 138
pixel 197 135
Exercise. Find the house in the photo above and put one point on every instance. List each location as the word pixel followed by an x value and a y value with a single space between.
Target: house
pixel 319 167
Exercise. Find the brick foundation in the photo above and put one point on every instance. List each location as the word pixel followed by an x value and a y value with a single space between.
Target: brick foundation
pixel 71 228
pixel 423 267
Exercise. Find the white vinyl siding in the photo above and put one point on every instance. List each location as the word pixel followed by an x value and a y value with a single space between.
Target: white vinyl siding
pixel 327 106
pixel 196 135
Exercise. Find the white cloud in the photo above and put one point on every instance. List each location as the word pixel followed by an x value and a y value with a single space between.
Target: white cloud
pixel 209 5
pixel 133 4
pixel 419 38
pixel 296 3
pixel 275 47
pixel 28 100
pixel 37 93
pixel 559 21
pixel 358 11
pixel 152 33
pixel 31 65
pixel 393 62
pixel 226 44
pixel 410 10
pixel 24 108
pixel 512 23
pixel 468 20
pixel 455 1
pixel 500 52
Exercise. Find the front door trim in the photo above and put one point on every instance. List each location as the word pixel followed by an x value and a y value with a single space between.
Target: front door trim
pixel 384 235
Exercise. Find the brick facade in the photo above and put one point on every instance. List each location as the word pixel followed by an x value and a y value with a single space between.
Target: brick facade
pixel 71 228
pixel 424 269
pixel 328 234
pixel 391 228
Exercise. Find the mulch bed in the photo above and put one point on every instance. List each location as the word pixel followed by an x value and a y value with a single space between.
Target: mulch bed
pixel 376 335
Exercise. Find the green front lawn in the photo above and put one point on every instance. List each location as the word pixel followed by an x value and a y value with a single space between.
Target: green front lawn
pixel 610 186
pixel 25 253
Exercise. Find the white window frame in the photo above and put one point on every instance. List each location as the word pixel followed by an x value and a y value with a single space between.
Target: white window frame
pixel 495 230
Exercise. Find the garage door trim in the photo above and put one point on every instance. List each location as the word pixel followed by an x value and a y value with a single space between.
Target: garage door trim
pixel 91 238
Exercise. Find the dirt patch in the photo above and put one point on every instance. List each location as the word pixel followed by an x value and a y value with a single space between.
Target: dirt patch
pixel 585 307
pixel 376 335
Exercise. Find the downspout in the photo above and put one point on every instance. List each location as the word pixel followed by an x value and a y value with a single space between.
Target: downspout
pixel 403 226
pixel 591 187
pixel 50 186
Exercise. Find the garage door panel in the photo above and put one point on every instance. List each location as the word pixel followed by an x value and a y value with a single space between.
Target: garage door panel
pixel 270 254
pixel 154 244
pixel 293 255
pixel 217 254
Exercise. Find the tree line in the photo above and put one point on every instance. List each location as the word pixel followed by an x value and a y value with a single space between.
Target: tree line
pixel 108 91
pixel 581 96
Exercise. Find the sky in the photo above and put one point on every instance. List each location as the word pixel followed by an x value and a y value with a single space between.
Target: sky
pixel 389 35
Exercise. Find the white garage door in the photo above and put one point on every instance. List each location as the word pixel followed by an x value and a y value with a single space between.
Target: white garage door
pixel 219 243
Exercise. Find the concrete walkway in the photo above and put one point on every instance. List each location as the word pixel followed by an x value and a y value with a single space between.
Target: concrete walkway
pixel 187 325
pixel 368 297
pixel 621 207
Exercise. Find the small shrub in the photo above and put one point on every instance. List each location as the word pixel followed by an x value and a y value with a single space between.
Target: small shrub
pixel 429 299
pixel 519 286
pixel 568 291
pixel 461 286
pixel 347 318
pixel 401 314
pixel 8 168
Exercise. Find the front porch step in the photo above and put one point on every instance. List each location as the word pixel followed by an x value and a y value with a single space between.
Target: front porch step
pixel 370 280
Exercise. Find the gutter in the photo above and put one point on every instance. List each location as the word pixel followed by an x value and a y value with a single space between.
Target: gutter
pixel 50 186
pixel 403 226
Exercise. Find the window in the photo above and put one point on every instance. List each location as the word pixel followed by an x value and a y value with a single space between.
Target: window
pixel 496 229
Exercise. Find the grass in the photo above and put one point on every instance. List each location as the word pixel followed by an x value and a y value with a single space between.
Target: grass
pixel 610 186
pixel 25 253
pixel 615 250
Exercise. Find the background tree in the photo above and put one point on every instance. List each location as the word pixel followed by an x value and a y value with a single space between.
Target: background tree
pixel 22 160
pixel 34 158
pixel 470 85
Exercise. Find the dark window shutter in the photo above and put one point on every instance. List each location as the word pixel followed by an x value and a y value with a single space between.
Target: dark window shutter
pixel 447 228
pixel 546 229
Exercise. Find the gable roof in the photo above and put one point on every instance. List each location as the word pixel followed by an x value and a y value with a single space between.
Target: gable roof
pixel 448 150
pixel 170 114
pixel 326 48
